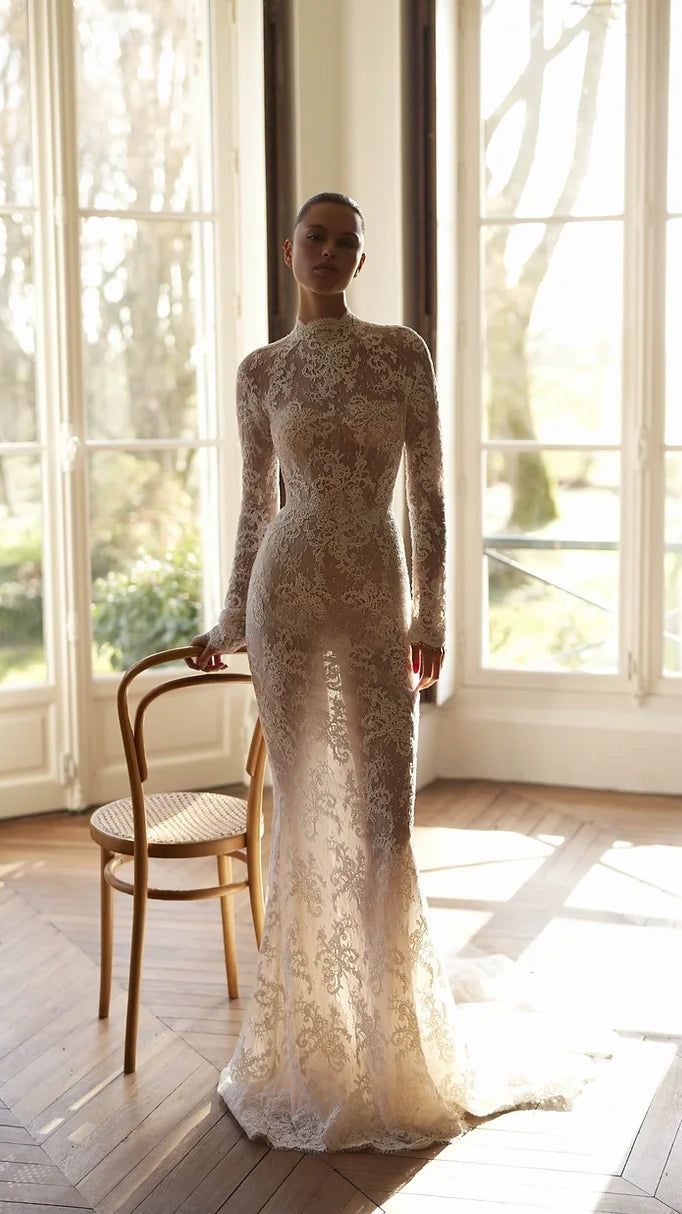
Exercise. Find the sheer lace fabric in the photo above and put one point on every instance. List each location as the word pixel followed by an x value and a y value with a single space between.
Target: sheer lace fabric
pixel 355 1034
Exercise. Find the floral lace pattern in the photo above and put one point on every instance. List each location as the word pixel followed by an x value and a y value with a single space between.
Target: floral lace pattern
pixel 335 401
pixel 354 1036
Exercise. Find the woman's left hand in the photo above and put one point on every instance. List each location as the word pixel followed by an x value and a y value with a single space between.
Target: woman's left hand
pixel 426 662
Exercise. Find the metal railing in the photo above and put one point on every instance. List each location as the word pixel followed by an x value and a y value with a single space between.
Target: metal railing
pixel 530 543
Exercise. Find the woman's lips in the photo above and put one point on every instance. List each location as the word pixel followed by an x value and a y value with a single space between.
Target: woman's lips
pixel 326 270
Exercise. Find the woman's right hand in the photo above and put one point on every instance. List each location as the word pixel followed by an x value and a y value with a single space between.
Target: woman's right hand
pixel 210 658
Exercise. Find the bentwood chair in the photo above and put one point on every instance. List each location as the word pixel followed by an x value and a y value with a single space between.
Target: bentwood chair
pixel 171 825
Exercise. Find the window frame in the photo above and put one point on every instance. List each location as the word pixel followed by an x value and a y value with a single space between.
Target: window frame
pixel 66 700
pixel 641 536
pixel 418 218
pixel 54 27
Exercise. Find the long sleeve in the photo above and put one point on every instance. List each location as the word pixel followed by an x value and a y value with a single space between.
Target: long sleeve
pixel 425 494
pixel 259 504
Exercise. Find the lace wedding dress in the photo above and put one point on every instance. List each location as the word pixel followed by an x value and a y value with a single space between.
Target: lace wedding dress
pixel 355 1034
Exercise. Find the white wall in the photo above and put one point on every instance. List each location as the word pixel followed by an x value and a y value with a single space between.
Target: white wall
pixel 347 118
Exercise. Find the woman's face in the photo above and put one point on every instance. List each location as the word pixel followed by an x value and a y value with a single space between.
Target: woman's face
pixel 330 234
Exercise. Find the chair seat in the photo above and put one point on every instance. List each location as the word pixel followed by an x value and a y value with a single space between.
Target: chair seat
pixel 174 818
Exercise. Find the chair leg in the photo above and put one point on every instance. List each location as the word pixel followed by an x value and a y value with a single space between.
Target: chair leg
pixel 229 936
pixel 255 878
pixel 106 936
pixel 135 979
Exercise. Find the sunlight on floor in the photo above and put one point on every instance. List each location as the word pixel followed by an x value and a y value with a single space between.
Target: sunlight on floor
pixel 611 930
pixel 19 868
pixel 477 864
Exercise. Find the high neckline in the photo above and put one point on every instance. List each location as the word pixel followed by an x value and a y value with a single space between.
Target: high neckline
pixel 323 325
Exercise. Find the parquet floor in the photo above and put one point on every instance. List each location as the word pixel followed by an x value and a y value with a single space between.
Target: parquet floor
pixel 587 886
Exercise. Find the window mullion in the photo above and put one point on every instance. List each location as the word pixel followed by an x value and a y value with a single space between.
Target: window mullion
pixel 468 429
pixel 223 493
pixel 642 492
pixel 53 23
pixel 659 19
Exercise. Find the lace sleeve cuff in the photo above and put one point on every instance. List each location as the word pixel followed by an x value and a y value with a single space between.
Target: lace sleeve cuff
pixel 422 634
pixel 228 635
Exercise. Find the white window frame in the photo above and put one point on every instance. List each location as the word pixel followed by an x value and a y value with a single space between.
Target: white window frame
pixel 642 492
pixel 66 698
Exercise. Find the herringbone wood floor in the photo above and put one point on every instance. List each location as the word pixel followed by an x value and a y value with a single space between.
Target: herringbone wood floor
pixel 586 885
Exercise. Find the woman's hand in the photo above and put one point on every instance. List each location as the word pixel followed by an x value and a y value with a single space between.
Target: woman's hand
pixel 426 662
pixel 210 658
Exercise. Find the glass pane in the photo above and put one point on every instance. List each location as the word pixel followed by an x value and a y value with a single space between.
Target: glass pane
pixel 148 324
pixel 22 652
pixel 551 523
pixel 553 107
pixel 143 96
pixel 553 331
pixel 147 552
pixel 17 330
pixel 675 109
pixel 16 176
pixel 672 626
pixel 673 370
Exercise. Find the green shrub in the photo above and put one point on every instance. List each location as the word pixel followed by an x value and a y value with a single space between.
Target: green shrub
pixel 21 607
pixel 156 605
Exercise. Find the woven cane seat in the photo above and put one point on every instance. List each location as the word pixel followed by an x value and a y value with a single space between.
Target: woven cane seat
pixel 174 818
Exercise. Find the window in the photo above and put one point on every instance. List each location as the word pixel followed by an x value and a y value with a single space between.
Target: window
pixel 22 443
pixel 560 291
pixel 143 392
pixel 121 324
pixel 146 199
pixel 672 633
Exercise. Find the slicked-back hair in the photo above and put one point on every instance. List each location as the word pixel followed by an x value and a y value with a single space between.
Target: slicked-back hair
pixel 330 196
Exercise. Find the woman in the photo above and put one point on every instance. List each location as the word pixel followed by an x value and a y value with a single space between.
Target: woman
pixel 352 1037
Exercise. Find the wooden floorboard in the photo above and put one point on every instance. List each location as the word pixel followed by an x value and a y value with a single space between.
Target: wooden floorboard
pixel 585 886
pixel 29 1179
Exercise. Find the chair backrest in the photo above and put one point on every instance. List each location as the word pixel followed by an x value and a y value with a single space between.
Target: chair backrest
pixel 132 734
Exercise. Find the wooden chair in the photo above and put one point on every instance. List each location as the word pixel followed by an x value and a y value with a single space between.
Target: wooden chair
pixel 174 824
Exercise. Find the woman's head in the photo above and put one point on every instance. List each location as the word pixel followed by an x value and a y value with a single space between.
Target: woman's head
pixel 329 230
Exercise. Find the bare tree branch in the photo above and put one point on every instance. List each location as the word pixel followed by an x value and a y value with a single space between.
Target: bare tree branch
pixel 507 198
pixel 509 309
pixel 538 262
pixel 536 65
